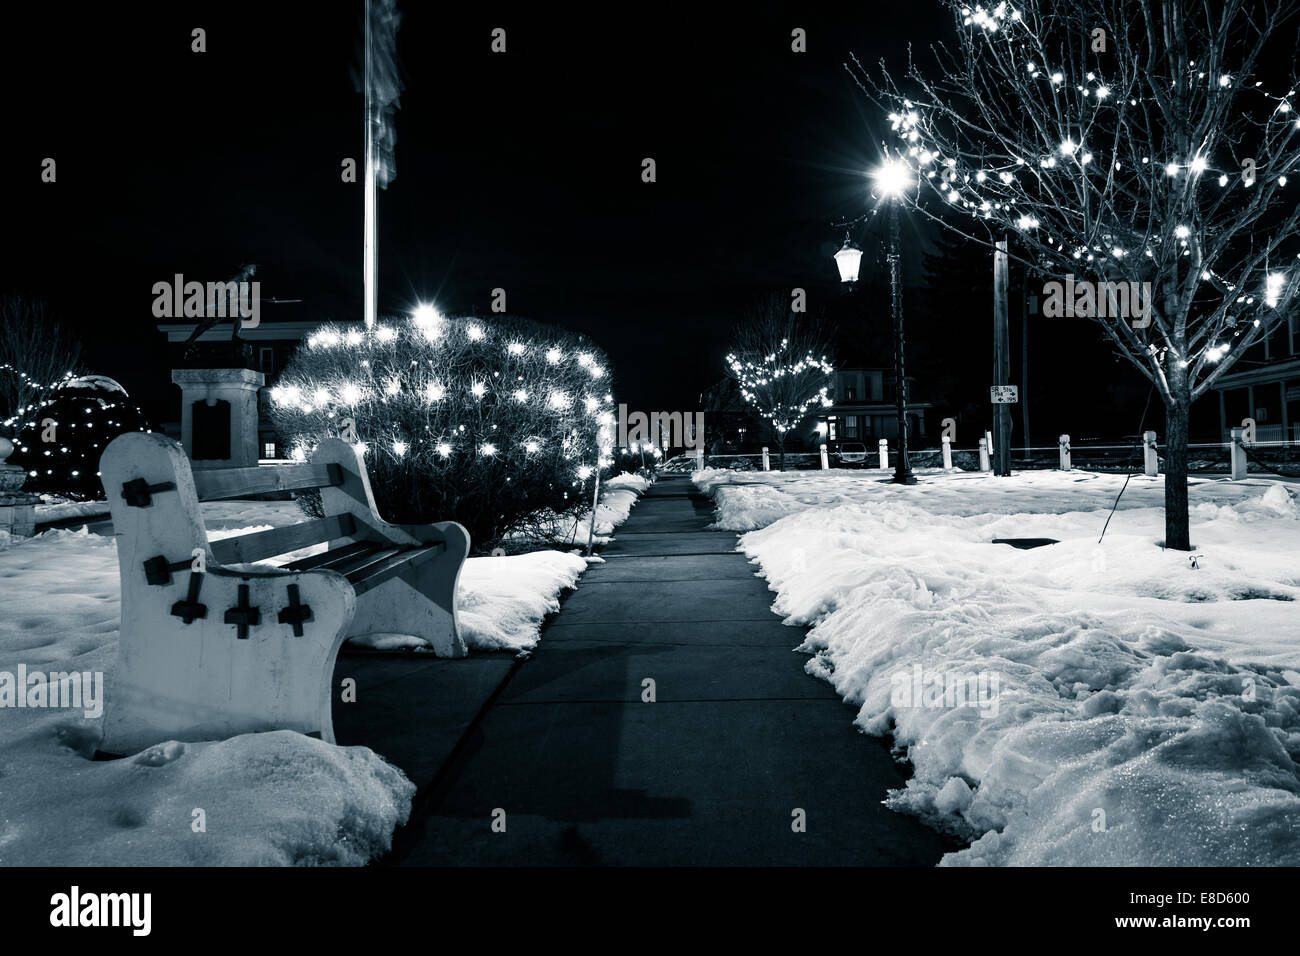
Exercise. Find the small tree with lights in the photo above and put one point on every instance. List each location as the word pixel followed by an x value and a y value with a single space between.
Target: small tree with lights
pixel 494 425
pixel 1122 143
pixel 779 364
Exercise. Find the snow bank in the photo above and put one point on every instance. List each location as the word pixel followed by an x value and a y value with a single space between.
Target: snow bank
pixel 1073 704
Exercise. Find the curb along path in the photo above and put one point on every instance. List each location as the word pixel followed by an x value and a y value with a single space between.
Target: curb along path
pixel 711 772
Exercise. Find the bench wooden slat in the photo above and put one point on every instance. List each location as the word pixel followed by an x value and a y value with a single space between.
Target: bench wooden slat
pixel 221 483
pixel 327 559
pixel 267 544
pixel 377 573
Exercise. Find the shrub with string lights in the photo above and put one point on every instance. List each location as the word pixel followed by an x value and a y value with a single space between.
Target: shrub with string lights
pixel 490 424
pixel 67 429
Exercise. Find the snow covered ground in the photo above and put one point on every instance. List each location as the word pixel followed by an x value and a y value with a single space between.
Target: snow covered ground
pixel 1075 704
pixel 259 799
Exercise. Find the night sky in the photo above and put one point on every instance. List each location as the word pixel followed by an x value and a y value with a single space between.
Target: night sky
pixel 519 170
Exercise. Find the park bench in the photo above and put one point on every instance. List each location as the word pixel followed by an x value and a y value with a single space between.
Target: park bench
pixel 213 645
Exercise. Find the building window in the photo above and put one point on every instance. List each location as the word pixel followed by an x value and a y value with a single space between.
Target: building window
pixel 267 360
pixel 850 393
pixel 850 426
pixel 268 449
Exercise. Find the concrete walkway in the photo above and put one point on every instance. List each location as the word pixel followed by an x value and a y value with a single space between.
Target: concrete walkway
pixel 586 772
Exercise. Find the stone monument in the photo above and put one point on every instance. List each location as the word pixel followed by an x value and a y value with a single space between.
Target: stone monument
pixel 219 415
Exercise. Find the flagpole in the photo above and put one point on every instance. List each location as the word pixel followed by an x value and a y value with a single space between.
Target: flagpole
pixel 370 249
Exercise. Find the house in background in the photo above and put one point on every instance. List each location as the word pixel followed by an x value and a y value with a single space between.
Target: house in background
pixel 864 410
pixel 1265 385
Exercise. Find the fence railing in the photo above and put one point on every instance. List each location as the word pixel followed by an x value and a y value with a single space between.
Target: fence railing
pixel 1237 457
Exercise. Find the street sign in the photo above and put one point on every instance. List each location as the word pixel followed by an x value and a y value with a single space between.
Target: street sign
pixel 1004 394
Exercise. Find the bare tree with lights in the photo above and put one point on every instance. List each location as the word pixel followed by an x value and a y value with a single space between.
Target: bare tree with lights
pixel 1122 142
pixel 35 354
pixel 780 366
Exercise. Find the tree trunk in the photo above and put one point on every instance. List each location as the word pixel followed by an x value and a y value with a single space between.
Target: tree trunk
pixel 1177 530
pixel 780 451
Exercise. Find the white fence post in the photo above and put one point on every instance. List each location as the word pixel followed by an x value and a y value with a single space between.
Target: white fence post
pixel 1065 452
pixel 947 453
pixel 1237 453
pixel 1151 458
pixel 884 454
pixel 988 436
pixel 984 455
pixel 699 459
pixel 767 464
pixel 825 463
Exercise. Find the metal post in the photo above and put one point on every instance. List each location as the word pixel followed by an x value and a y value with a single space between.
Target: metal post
pixel 370 247
pixel 884 454
pixel 1001 361
pixel 595 499
pixel 1064 441
pixel 947 453
pixel 984 454
pixel 1150 457
pixel 825 462
pixel 767 464
pixel 903 469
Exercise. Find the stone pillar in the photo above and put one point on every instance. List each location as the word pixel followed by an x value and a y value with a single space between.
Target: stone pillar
pixel 17 508
pixel 235 387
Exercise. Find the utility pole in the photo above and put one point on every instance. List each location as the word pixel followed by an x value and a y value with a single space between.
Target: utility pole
pixel 1001 362
pixel 1024 359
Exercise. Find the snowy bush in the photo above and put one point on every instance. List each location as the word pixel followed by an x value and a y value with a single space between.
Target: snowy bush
pixel 484 423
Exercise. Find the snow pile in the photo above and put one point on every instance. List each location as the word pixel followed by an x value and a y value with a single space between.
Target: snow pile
pixel 276 798
pixel 1074 704
pixel 272 799
pixel 617 496
pixel 502 601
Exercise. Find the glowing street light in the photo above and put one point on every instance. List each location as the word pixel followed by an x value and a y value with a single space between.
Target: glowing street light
pixel 848 260
pixel 892 178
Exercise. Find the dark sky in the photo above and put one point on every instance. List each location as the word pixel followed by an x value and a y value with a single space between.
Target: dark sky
pixel 519 170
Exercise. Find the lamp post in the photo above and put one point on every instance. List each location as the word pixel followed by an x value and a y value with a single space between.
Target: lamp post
pixel 892 178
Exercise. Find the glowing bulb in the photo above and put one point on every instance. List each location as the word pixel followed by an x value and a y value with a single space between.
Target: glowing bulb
pixel 1182 232
pixel 1199 164
pixel 892 177
pixel 488 448
pixel 435 391
pixel 532 447
pixel 521 395
pixel 515 348
pixel 350 394
pixel 399 448
pixel 443 449
pixel 1171 169
pixel 426 315
pixel 478 389
pixel 553 355
pixel 386 333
